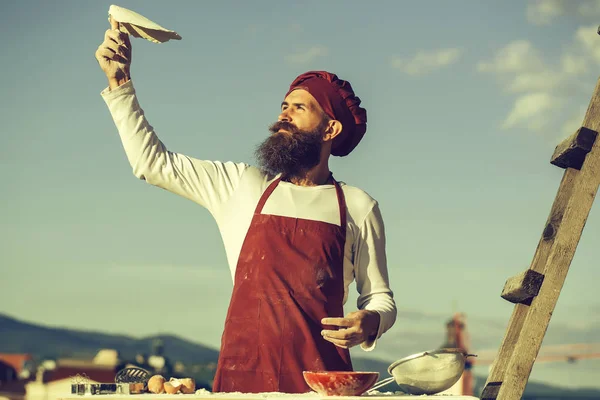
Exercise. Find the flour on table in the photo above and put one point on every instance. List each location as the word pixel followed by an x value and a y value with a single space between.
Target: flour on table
pixel 204 392
pixel 266 395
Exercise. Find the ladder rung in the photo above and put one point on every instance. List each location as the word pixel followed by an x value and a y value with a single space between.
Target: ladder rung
pixel 491 390
pixel 571 152
pixel 523 287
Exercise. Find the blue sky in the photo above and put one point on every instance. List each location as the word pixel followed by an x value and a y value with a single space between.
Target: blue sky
pixel 466 102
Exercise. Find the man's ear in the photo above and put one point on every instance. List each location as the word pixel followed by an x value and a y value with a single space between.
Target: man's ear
pixel 334 128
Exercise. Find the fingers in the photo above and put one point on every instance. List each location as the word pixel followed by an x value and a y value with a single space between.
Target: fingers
pixel 341 334
pixel 342 322
pixel 351 333
pixel 118 37
pixel 112 54
pixel 126 40
pixel 112 46
pixel 343 343
pixel 114 24
pixel 119 43
pixel 104 53
pixel 119 49
pixel 113 51
pixel 124 52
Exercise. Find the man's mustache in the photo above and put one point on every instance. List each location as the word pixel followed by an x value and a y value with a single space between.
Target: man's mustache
pixel 279 125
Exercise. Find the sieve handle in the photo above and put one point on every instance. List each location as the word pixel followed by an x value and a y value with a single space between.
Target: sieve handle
pixel 382 383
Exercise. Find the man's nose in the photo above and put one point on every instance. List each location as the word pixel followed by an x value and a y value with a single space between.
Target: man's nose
pixel 284 116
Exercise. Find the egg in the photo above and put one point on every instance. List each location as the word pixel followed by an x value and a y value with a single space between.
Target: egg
pixel 188 385
pixel 172 386
pixel 156 384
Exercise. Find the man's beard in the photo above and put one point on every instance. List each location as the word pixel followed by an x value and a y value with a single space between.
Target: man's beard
pixel 291 153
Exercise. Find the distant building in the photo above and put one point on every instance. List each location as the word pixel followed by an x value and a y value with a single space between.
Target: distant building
pixel 54 378
pixel 141 359
pixel 21 363
pixel 14 390
pixel 108 357
pixel 457 336
pixel 158 363
pixel 50 385
pixel 7 373
pixel 14 372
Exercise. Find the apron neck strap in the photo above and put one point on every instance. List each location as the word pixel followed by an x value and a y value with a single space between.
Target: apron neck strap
pixel 341 203
pixel 265 195
pixel 338 190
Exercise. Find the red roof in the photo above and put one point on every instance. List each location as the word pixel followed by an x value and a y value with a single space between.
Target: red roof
pixel 93 372
pixel 15 360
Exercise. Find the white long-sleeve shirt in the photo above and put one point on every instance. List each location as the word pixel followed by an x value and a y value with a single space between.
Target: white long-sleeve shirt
pixel 230 192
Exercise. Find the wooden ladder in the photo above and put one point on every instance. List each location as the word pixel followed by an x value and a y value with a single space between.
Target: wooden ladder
pixel 535 291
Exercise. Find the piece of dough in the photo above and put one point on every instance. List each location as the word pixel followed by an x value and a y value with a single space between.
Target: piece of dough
pixel 139 26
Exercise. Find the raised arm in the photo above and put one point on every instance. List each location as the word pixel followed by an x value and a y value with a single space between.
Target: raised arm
pixel 207 183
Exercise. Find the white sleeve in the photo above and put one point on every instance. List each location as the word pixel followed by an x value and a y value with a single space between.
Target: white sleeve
pixel 208 183
pixel 371 273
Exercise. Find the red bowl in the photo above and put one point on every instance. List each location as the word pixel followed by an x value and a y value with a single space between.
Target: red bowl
pixel 340 383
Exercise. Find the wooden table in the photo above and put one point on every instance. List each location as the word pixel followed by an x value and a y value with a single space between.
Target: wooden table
pixel 259 396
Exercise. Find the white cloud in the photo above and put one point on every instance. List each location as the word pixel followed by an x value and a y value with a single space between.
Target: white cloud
pixel 573 64
pixel 307 56
pixel 543 12
pixel 517 56
pixel 587 37
pixel 531 110
pixel 427 61
pixel 544 80
pixel 544 87
pixel 521 69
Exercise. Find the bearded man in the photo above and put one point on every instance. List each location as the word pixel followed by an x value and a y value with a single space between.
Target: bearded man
pixel 295 237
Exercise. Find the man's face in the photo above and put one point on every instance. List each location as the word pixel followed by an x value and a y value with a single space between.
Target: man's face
pixel 294 146
pixel 302 110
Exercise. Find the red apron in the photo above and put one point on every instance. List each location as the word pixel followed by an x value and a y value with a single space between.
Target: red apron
pixel 289 276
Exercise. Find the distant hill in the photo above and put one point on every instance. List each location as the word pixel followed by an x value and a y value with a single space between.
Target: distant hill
pixel 47 342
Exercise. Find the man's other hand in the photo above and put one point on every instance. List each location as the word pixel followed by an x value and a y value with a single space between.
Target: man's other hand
pixel 355 328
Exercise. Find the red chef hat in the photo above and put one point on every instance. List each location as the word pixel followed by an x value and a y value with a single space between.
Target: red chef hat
pixel 337 99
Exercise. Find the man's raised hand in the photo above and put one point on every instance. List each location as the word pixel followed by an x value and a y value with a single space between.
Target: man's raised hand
pixel 114 57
